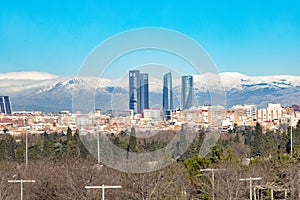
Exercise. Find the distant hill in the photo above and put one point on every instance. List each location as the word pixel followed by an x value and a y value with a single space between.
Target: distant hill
pixel 46 92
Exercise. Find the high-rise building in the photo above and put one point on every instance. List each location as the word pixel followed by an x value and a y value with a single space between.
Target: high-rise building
pixel 138 91
pixel 5 105
pixel 134 90
pixel 144 91
pixel 187 91
pixel 167 92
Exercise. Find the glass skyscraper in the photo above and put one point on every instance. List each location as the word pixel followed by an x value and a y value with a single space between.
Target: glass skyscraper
pixel 5 105
pixel 167 92
pixel 138 91
pixel 144 91
pixel 187 91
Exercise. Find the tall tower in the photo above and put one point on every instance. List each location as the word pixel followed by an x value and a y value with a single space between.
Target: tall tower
pixel 5 105
pixel 134 90
pixel 187 92
pixel 167 92
pixel 138 91
pixel 144 91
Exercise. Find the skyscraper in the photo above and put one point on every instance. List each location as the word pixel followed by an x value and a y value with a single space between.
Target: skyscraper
pixel 5 105
pixel 144 91
pixel 187 92
pixel 134 90
pixel 138 91
pixel 167 92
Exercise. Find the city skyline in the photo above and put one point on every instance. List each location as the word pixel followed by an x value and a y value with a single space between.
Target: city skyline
pixel 149 99
pixel 139 92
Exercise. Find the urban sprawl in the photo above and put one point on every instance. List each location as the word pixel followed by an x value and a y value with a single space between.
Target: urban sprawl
pixel 139 114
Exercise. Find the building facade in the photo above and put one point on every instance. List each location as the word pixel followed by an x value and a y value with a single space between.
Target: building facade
pixel 5 105
pixel 134 91
pixel 187 91
pixel 144 92
pixel 167 95
pixel 138 91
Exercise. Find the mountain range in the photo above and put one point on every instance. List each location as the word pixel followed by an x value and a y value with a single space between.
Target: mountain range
pixel 39 91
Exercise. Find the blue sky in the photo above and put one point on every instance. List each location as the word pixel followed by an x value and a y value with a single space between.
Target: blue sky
pixel 251 37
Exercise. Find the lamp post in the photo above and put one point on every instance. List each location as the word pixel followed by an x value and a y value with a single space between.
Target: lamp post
pixel 212 179
pixel 26 152
pixel 98 146
pixel 291 135
pixel 21 183
pixel 26 143
pixel 103 187
pixel 250 179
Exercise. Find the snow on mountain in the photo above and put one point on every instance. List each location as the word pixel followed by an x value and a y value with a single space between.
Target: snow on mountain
pixel 238 81
pixel 47 92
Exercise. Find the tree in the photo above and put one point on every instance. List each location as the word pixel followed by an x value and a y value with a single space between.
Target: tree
pixel 296 134
pixel 48 148
pixel 167 183
pixel 82 150
pixel 3 148
pixel 236 139
pixel 75 147
pixel 258 141
pixel 20 151
pixel 69 134
pixel 132 141
pixel 7 147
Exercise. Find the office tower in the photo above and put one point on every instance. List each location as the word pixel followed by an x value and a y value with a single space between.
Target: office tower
pixel 144 91
pixel 187 92
pixel 167 92
pixel 5 105
pixel 134 90
pixel 138 91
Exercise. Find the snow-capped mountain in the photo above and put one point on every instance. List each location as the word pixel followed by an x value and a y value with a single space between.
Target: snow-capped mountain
pixel 47 92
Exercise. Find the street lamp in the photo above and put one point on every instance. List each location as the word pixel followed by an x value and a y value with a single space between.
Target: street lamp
pixel 212 179
pixel 291 135
pixel 103 187
pixel 98 146
pixel 21 183
pixel 250 179
pixel 26 144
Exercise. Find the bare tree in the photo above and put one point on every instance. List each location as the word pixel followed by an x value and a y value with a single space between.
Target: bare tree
pixel 168 183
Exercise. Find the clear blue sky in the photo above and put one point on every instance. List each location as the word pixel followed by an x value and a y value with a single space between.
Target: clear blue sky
pixel 253 37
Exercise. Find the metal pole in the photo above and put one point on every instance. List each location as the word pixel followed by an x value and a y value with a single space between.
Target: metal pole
pixel 250 188
pixel 103 196
pixel 102 187
pixel 272 194
pixel 291 138
pixel 254 191
pixel 21 181
pixel 213 183
pixel 26 154
pixel 212 179
pixel 98 139
pixel 250 179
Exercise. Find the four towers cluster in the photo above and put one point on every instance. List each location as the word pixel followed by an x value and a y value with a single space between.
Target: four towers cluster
pixel 139 92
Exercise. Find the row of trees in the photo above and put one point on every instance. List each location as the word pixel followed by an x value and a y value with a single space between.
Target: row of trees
pixel 45 146
pixel 62 166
